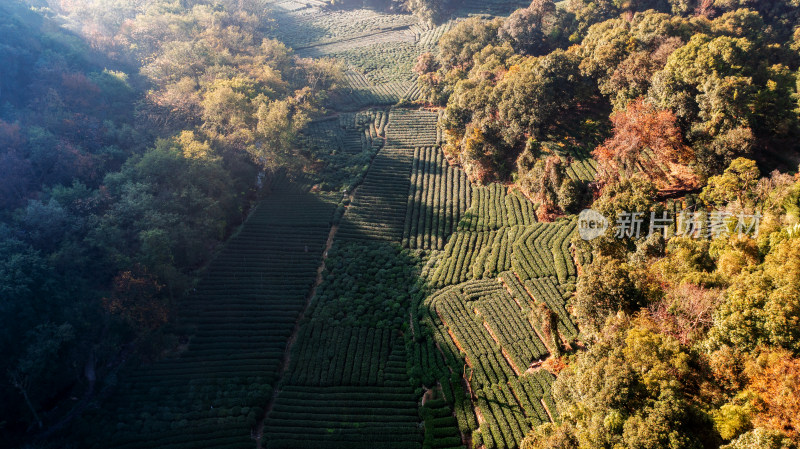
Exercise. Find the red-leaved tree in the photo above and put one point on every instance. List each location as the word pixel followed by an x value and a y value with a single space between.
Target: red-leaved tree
pixel 646 139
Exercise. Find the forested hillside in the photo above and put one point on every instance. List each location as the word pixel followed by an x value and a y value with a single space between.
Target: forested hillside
pixel 354 224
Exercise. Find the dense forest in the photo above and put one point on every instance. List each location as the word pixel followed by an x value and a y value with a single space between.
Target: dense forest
pixel 376 204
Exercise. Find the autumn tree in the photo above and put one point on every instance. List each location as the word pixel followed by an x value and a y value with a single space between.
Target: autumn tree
pixel 774 376
pixel 426 63
pixel 645 139
pixel 428 78
pixel 278 124
pixel 761 438
pixel 685 312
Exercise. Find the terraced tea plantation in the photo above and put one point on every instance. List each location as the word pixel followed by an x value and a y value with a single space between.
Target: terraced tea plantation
pixel 500 311
pixel 438 302
pixel 308 27
pixel 346 417
pixel 496 332
pixel 399 306
pixel 378 208
pixel 347 384
pixel 237 323
pixel 494 7
pixel 350 133
pixel 363 92
pixel 473 315
pixel 379 49
pixel 487 236
pixel 348 388
pixel 412 128
pixel 344 145
pixel 438 196
pixel 580 165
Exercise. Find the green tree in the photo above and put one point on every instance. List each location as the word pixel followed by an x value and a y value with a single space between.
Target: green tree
pixel 762 306
pixel 571 195
pixel 466 38
pixel 607 287
pixel 629 390
pixel 430 11
pixel 737 183
pixel 543 179
pixel 716 86
pixel 534 94
pixel 635 194
pixel 589 12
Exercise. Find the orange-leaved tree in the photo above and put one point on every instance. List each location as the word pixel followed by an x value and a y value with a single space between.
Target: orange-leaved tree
pixel 775 378
pixel 646 139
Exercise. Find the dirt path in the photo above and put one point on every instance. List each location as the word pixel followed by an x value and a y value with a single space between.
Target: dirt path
pixel 549 415
pixel 259 432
